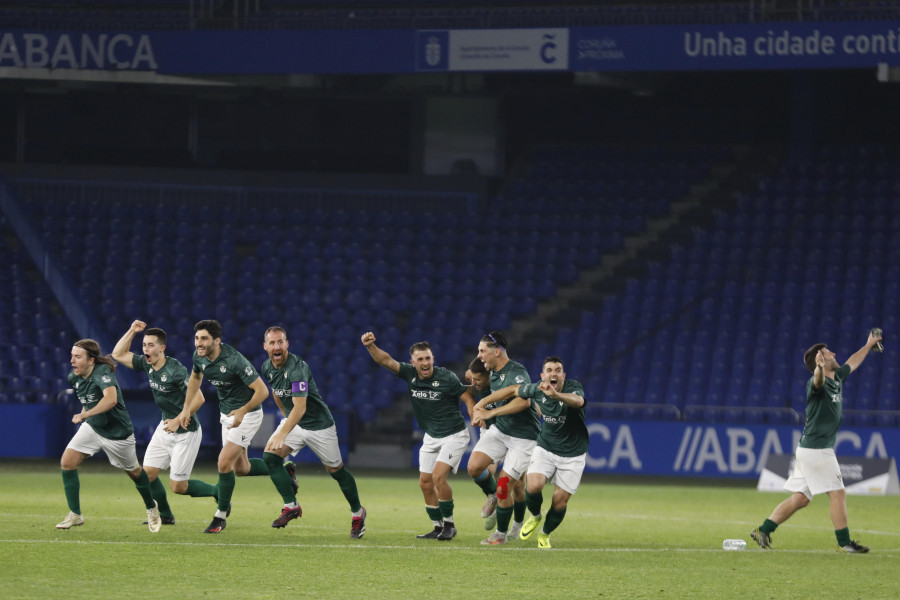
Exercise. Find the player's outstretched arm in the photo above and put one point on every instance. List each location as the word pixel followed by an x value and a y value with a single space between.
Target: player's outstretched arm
pixel 122 353
pixel 860 355
pixel 378 355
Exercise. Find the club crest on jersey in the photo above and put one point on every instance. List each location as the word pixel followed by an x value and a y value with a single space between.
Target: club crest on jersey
pixel 503 377
pixel 222 368
pixel 435 383
pixel 163 378
pixel 106 379
pixel 248 370
pixel 520 379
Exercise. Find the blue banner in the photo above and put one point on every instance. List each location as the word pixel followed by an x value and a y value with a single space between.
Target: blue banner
pixel 707 450
pixel 861 44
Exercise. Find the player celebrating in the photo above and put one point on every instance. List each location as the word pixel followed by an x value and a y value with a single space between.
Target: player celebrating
pixel 816 469
pixel 435 393
pixel 105 425
pixel 171 445
pixel 240 392
pixel 561 450
pixel 307 422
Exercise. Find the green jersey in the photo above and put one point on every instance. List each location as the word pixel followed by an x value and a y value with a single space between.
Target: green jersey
pixel 824 411
pixel 168 385
pixel 564 432
pixel 114 424
pixel 524 424
pixel 232 375
pixel 295 380
pixel 435 401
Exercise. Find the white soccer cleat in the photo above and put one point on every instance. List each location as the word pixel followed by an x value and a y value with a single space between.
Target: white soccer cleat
pixel 71 520
pixel 495 539
pixel 154 522
pixel 514 530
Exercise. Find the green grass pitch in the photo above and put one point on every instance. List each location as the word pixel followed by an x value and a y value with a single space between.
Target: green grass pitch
pixel 620 539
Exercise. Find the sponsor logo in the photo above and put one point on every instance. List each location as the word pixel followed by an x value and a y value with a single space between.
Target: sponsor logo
pixel 248 370
pixel 106 379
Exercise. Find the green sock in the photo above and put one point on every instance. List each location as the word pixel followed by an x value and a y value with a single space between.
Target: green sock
pixel 142 483
pixel 72 487
pixel 434 513
pixel 768 526
pixel 200 489
pixel 503 517
pixel 534 501
pixel 843 536
pixel 226 488
pixel 280 477
pixel 258 467
pixel 486 482
pixel 554 518
pixel 347 483
pixel 519 511
pixel 446 508
pixel 159 494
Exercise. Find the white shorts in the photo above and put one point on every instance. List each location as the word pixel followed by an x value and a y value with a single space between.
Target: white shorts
pixel 178 450
pixel 815 471
pixel 514 452
pixel 323 443
pixel 449 450
pixel 243 434
pixel 562 471
pixel 121 453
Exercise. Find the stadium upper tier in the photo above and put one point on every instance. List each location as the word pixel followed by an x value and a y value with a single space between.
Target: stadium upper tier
pixel 434 14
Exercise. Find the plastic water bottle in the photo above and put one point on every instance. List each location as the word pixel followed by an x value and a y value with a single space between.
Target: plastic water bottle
pixel 734 545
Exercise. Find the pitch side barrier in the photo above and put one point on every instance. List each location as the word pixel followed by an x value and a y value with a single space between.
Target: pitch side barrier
pixel 694 449
pixel 787 45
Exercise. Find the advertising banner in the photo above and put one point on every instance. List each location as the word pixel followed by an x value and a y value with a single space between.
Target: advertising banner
pixel 832 45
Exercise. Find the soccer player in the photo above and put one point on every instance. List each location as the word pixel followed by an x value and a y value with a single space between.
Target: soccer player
pixel 816 469
pixel 171 445
pixel 307 422
pixel 511 438
pixel 562 444
pixel 240 392
pixel 479 378
pixel 105 425
pixel 435 393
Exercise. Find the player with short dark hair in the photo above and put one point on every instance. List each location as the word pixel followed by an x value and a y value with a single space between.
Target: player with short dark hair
pixel 511 438
pixel 171 445
pixel 479 379
pixel 240 392
pixel 561 450
pixel 435 393
pixel 307 422
pixel 816 469
pixel 105 425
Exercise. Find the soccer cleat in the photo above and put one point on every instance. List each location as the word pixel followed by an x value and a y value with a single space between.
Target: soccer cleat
pixel 495 539
pixel 762 538
pixel 448 532
pixel 164 520
pixel 358 525
pixel 154 522
pixel 855 547
pixel 530 525
pixel 544 540
pixel 287 515
pixel 514 530
pixel 216 526
pixel 292 471
pixel 71 520
pixel 489 512
pixel 431 535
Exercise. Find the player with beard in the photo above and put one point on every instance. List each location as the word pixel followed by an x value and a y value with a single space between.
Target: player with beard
pixel 307 422
pixel 561 450
pixel 240 392
pixel 435 393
